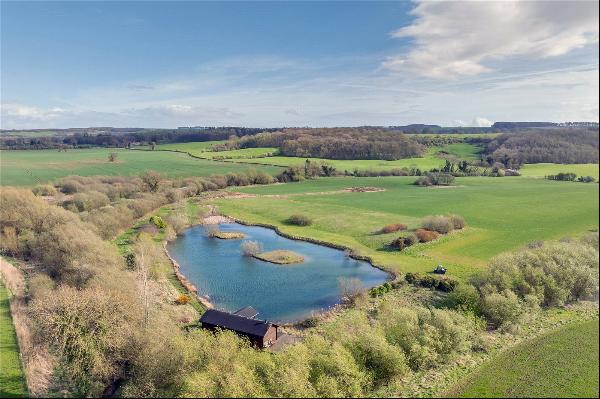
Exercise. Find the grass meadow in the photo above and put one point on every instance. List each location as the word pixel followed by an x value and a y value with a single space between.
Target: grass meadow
pixel 502 214
pixel 553 365
pixel 431 159
pixel 28 168
pixel 545 169
pixel 12 380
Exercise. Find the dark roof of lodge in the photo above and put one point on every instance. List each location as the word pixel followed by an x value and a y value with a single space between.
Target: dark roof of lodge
pixel 234 322
pixel 247 311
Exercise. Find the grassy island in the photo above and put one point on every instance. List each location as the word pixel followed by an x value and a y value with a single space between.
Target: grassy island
pixel 280 257
pixel 229 235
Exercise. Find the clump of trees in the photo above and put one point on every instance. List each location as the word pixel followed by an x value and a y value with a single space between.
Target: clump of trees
pixel 546 275
pixel 537 146
pixel 299 220
pixel 337 143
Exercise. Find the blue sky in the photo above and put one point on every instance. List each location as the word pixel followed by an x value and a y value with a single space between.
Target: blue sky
pixel 167 64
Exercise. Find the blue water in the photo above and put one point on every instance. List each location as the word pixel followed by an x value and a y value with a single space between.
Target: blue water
pixel 279 292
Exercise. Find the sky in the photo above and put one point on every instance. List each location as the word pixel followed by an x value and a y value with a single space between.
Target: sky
pixel 283 63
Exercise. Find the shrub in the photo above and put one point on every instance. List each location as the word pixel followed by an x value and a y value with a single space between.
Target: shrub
pixel 44 190
pixel 130 260
pixel 501 309
pixel 391 228
pixel 444 284
pixel 151 180
pixel 158 222
pixel 178 221
pixel 86 201
pixel 458 222
pixel 435 179
pixel 251 248
pixel 70 186
pixel 183 299
pixel 586 179
pixel 441 224
pixel 464 297
pixel 401 243
pixel 555 273
pixel 299 220
pixel 426 235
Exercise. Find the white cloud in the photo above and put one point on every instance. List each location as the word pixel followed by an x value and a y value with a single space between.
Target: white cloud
pixel 462 38
pixel 482 122
pixel 20 111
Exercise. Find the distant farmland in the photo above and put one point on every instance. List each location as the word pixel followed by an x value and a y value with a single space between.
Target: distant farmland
pixel 27 168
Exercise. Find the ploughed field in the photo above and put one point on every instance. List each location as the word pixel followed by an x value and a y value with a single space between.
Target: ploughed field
pixel 562 363
pixel 27 168
pixel 502 214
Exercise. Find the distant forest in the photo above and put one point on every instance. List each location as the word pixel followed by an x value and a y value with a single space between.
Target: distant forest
pixel 338 143
pixel 123 137
pixel 544 145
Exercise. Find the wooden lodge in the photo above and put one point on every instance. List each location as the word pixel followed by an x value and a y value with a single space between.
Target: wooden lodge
pixel 261 333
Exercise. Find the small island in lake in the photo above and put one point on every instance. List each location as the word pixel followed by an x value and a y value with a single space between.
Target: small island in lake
pixel 280 257
pixel 229 235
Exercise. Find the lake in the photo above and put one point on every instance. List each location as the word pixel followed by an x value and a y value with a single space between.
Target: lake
pixel 278 292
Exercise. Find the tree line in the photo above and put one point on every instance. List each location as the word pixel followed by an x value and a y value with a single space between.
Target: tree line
pixel 538 146
pixel 126 138
pixel 337 143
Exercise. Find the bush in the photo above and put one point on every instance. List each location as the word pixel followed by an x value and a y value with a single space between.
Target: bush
pixel 299 220
pixel 435 179
pixel 401 243
pixel 441 224
pixel 444 284
pixel 151 180
pixel 465 298
pixel 87 201
pixel 586 179
pixel 458 222
pixel 178 221
pixel 183 299
pixel 158 222
pixel 426 235
pixel 44 190
pixel 555 273
pixel 251 248
pixel 391 228
pixel 501 309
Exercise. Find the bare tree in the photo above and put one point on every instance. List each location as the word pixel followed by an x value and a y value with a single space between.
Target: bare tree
pixel 349 288
pixel 151 180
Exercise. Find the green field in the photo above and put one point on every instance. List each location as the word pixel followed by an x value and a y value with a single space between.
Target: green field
pixel 12 380
pixel 26 168
pixel 562 363
pixel 193 147
pixel 431 159
pixel 240 154
pixel 545 169
pixel 502 214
